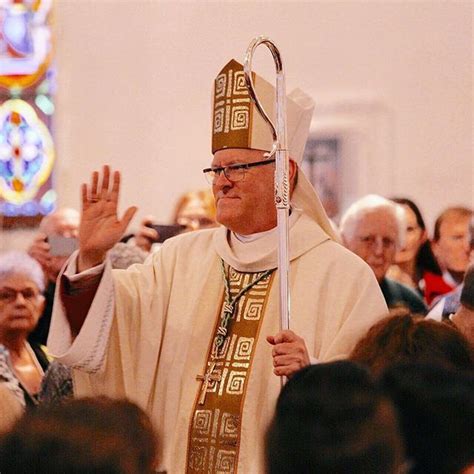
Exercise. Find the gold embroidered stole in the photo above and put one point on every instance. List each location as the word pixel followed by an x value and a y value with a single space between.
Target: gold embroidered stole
pixel 214 434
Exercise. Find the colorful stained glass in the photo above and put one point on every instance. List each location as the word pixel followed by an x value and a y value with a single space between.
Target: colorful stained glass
pixel 27 83
pixel 25 41
pixel 26 152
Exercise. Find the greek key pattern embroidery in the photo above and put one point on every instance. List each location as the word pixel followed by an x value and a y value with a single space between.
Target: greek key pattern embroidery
pixel 215 428
pixel 232 103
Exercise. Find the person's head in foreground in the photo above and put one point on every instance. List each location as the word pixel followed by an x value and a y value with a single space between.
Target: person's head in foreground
pixel 100 436
pixel 435 407
pixel 403 337
pixel 332 418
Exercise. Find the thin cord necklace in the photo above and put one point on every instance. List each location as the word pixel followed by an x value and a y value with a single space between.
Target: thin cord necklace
pixel 230 303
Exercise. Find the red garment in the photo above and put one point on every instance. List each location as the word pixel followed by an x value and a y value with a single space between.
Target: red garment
pixel 435 286
pixel 77 308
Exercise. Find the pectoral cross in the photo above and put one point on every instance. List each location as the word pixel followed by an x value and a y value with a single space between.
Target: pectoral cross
pixel 206 380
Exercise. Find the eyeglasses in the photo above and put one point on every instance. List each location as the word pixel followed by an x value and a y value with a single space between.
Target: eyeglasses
pixel 369 241
pixel 9 295
pixel 233 173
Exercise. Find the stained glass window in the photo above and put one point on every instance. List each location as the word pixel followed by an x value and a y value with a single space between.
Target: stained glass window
pixel 27 86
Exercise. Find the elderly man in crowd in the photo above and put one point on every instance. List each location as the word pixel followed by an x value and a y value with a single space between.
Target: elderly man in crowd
pixel 373 228
pixel 193 335
pixel 63 222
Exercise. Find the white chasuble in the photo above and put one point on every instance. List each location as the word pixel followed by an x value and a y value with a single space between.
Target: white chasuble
pixel 150 328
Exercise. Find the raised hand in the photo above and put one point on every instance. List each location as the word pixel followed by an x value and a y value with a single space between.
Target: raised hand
pixel 100 228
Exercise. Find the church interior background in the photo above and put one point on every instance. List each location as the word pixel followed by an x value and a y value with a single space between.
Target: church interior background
pixel 128 83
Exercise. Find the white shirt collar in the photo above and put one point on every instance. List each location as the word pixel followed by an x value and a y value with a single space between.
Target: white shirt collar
pixel 253 237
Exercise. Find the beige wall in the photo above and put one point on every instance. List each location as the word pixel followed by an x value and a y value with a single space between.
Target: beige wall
pixel 134 81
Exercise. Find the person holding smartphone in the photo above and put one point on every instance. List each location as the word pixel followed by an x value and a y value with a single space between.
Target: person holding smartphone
pixel 194 210
pixel 51 247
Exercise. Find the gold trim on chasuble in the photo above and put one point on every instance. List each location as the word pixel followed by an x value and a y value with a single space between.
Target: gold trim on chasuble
pixel 214 434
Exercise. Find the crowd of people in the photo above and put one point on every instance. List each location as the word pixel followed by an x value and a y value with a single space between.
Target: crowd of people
pixel 138 353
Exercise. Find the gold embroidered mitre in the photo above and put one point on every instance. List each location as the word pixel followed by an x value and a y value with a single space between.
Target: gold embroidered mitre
pixel 237 122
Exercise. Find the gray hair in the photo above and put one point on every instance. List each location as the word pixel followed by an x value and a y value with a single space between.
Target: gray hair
pixel 369 203
pixel 51 224
pixel 123 255
pixel 20 263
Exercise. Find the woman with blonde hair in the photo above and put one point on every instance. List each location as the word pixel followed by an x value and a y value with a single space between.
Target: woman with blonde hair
pixel 194 210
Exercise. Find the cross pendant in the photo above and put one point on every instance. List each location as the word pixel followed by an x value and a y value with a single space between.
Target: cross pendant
pixel 206 379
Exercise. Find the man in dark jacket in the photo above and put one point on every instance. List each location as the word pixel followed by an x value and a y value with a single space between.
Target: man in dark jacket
pixel 374 228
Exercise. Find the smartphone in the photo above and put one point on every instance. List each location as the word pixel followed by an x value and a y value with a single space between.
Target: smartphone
pixel 167 231
pixel 62 246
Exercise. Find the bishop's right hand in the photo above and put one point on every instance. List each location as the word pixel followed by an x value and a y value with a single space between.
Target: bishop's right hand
pixel 100 229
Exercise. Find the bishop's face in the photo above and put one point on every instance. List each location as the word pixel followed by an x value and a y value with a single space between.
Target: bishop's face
pixel 246 206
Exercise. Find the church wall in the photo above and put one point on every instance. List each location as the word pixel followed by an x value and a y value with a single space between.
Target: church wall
pixel 394 78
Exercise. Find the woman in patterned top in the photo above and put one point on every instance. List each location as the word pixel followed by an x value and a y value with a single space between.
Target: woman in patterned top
pixel 22 365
